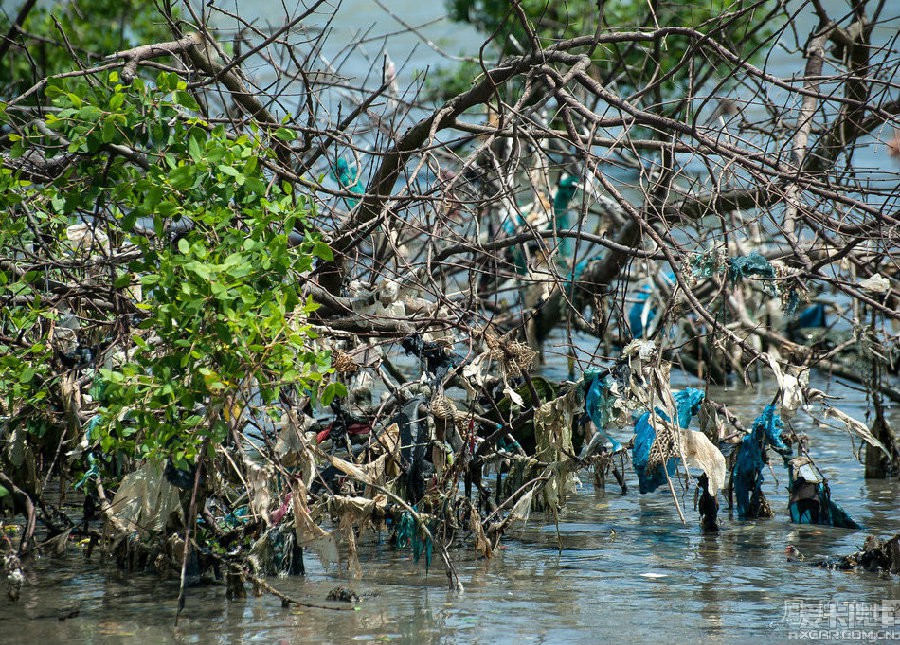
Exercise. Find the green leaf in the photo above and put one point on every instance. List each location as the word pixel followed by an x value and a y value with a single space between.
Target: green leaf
pixel 89 113
pixel 116 101
pixel 323 251
pixel 184 246
pixel 182 177
pixel 285 135
pixel 26 375
pixel 194 150
pixel 333 390
pixel 202 270
pixel 186 100
pixel 109 130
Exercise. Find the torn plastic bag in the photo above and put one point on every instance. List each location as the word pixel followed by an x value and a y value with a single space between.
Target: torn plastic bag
pixel 276 552
pixel 93 470
pixel 597 404
pixel 641 313
pixel 748 469
pixel 812 316
pixel 354 429
pixel 687 404
pixel 854 426
pixel 349 180
pixel 435 357
pixel 699 452
pixel 145 500
pixel 810 501
pixel 553 445
pixel 413 441
pixel 648 480
pixel 410 536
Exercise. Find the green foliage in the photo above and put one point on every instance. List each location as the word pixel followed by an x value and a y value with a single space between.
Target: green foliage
pixel 94 28
pixel 191 235
pixel 731 22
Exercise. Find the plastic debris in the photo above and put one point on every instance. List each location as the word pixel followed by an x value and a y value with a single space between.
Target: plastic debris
pixel 791 301
pixel 708 263
pixel 749 265
pixel 553 445
pixel 649 479
pixel 568 184
pixel 687 404
pixel 87 237
pixel 348 179
pixel 409 536
pixel 413 440
pixel 854 426
pixel 436 359
pixel 810 501
pixel 793 382
pixel 93 470
pixel 342 594
pixel 521 510
pixel 876 284
pixel 598 405
pixel 700 452
pixel 15 578
pixel 876 555
pixel 641 313
pixel 748 469
pixel 145 500
pixel 812 316
pixel 276 552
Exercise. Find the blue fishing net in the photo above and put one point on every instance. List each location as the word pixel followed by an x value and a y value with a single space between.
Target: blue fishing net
pixel 748 469
pixel 706 265
pixel 687 404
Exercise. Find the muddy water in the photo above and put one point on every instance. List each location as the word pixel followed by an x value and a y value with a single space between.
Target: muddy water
pixel 621 567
